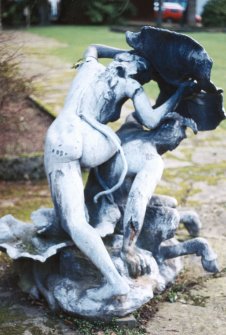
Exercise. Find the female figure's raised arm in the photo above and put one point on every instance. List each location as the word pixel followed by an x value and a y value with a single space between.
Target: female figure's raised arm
pixel 144 112
pixel 102 51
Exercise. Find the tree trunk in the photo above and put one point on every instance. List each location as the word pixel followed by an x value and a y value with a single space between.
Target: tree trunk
pixel 159 16
pixel 191 11
pixel 0 15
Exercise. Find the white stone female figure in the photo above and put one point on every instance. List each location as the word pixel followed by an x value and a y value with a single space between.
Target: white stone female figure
pixel 79 138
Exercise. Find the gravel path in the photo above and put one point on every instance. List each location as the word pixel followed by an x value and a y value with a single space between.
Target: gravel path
pixel 52 76
pixel 203 310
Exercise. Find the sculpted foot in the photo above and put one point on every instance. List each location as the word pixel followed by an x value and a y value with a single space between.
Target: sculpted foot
pixel 210 265
pixel 137 260
pixel 191 221
pixel 108 291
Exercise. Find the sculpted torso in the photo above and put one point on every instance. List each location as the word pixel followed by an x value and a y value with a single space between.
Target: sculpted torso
pixel 97 95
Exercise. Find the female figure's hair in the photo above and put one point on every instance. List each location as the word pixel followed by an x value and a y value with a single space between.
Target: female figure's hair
pixel 143 67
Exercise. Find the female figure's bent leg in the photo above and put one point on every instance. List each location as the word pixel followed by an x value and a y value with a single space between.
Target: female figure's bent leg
pixel 68 196
pixel 139 196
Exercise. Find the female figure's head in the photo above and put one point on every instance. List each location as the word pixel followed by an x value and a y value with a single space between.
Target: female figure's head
pixel 131 65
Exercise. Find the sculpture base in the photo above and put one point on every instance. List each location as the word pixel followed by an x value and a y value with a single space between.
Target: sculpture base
pixel 49 264
pixel 78 279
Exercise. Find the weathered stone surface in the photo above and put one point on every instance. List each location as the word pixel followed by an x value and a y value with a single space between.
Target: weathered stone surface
pixel 72 276
pixel 21 240
pixel 68 279
pixel 128 321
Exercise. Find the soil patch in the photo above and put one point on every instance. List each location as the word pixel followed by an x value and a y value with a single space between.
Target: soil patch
pixel 22 128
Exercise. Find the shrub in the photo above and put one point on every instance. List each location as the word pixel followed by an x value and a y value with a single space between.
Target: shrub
pixel 13 12
pixel 214 13
pixel 97 11
pixel 12 83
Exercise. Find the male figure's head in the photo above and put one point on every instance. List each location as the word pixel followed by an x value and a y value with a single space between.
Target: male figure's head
pixel 169 134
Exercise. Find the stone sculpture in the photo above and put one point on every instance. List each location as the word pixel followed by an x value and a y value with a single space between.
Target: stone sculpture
pixel 106 251
pixel 175 58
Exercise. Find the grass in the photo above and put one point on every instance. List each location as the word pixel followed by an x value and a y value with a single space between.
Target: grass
pixel 22 198
pixel 215 45
pixel 77 38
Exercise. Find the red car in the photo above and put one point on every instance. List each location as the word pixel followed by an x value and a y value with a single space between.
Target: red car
pixel 171 11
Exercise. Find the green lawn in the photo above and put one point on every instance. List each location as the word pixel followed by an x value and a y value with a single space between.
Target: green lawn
pixel 77 38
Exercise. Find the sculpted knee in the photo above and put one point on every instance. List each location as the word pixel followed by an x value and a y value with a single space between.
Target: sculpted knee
pixel 155 166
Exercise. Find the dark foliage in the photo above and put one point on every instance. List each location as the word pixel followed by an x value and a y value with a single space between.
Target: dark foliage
pixel 214 13
pixel 13 13
pixel 97 11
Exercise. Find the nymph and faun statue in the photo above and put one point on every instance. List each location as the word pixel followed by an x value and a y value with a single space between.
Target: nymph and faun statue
pixel 105 250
